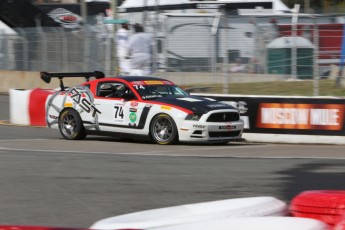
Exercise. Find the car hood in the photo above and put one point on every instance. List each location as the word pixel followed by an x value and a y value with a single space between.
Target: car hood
pixel 199 105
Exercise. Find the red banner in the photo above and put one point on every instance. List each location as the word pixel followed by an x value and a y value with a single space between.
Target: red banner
pixel 300 116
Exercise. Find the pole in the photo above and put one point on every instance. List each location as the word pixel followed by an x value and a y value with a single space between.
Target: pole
pixel 226 55
pixel 114 53
pixel 83 11
pixel 316 87
pixel 294 45
pixel 307 6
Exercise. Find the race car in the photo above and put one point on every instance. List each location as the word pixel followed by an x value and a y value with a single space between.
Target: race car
pixel 133 107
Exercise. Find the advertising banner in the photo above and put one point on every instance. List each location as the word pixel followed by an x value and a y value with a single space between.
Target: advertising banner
pixel 284 115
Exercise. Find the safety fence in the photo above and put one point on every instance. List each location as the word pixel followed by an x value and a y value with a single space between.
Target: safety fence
pixel 287 59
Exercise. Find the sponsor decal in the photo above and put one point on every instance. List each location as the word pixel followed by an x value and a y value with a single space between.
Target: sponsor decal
pixel 137 83
pixel 168 83
pixel 154 82
pixel 134 104
pixel 132 124
pixel 68 104
pixel 188 99
pixel 199 126
pixel 301 116
pixel 133 110
pixel 165 107
pixel 132 117
pixel 151 96
pixel 151 82
pixel 228 127
pixel 84 103
pixel 220 105
pixel 66 18
pixel 119 104
pixel 53 116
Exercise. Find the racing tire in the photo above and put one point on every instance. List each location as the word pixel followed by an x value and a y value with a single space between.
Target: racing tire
pixel 321 198
pixel 163 130
pixel 71 126
pixel 325 205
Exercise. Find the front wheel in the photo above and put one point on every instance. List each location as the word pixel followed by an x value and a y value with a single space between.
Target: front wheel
pixel 163 130
pixel 71 126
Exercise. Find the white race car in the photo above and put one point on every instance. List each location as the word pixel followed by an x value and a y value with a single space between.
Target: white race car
pixel 146 107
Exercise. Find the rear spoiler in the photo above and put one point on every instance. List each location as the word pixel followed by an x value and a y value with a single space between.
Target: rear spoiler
pixel 46 77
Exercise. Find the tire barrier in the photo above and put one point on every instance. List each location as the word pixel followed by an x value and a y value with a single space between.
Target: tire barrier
pixel 324 205
pixel 28 107
pixel 230 208
pixel 37 106
pixel 341 223
pixel 19 106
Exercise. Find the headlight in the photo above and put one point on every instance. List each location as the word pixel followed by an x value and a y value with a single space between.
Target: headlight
pixel 193 117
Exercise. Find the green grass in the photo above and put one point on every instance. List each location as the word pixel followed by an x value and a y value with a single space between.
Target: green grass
pixel 283 88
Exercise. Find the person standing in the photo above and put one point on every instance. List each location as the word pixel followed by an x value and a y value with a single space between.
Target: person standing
pixel 122 35
pixel 140 51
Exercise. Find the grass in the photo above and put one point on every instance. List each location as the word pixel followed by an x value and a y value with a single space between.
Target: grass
pixel 326 87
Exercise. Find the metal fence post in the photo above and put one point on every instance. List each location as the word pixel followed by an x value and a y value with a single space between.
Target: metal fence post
pixel 316 81
pixel 214 36
pixel 25 50
pixel 226 56
pixel 294 43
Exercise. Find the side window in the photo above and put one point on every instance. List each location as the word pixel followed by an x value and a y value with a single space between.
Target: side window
pixel 114 90
pixel 104 89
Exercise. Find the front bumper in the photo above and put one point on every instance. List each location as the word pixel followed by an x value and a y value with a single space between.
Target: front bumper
pixel 199 131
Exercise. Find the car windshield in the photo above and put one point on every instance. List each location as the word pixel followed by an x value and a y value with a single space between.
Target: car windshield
pixel 157 91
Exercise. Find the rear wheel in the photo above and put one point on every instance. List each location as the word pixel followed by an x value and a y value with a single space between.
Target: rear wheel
pixel 71 126
pixel 163 130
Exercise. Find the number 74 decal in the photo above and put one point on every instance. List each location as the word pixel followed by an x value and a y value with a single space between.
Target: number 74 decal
pixel 118 111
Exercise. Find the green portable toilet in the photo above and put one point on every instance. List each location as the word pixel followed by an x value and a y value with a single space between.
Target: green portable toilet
pixel 279 56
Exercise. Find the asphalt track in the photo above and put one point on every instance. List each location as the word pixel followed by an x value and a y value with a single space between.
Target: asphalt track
pixel 46 180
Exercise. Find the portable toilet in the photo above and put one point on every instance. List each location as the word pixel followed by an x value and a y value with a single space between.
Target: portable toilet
pixel 279 56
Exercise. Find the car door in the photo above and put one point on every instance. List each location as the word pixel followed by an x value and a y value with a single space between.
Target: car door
pixel 119 111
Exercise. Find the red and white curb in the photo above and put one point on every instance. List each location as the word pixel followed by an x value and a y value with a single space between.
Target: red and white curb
pixel 28 107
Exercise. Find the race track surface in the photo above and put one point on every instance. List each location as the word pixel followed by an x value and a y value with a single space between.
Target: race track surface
pixel 50 181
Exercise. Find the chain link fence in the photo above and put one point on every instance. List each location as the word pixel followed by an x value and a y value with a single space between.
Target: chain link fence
pixel 244 55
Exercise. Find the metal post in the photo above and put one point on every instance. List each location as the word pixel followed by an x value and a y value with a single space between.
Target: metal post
pixel 144 19
pixel 115 63
pixel 294 45
pixel 65 54
pixel 83 11
pixel 226 56
pixel 307 6
pixel 316 82
pixel 155 35
pixel 214 34
pixel 166 42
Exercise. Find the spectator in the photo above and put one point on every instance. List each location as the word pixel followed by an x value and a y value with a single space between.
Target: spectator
pixel 122 35
pixel 140 51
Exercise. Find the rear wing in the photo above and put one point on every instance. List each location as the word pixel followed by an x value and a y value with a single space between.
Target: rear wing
pixel 46 77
